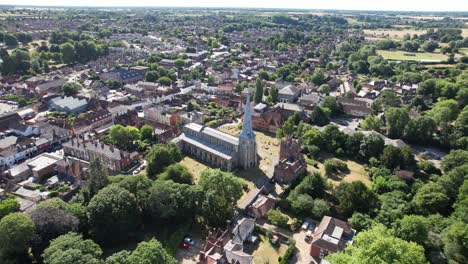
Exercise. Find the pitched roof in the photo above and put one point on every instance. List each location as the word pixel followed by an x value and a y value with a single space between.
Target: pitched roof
pixel 329 234
pixel 289 90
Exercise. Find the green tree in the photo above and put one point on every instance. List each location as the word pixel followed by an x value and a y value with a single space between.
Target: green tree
pixel 97 177
pixel 124 137
pixel 277 218
pixel 371 146
pixel 10 40
pixel 165 81
pixel 71 88
pixel 378 246
pixel 396 119
pixel 161 156
pixel 420 130
pixel 221 192
pixel 22 60
pixel 71 248
pixel 113 215
pixel 118 257
pixel 319 117
pixel 330 103
pixel 318 78
pixel 392 157
pixel 413 228
pixel 456 243
pixel 8 206
pixel 16 232
pixel 325 88
pixel 68 53
pixel 454 159
pixel 179 63
pixel 430 46
pixel 50 223
pixel 146 133
pixel 372 123
pixel 430 198
pixel 151 76
pixel 150 252
pixel 170 201
pixel 355 197
pixel 258 95
pixel 444 111
pixel 177 173
pixel 361 222
pixel 274 94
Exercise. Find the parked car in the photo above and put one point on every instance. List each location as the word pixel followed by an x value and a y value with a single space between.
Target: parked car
pixel 184 245
pixel 305 225
pixel 308 235
pixel 189 241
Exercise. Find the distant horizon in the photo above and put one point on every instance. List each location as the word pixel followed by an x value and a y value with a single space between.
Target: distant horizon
pixel 332 5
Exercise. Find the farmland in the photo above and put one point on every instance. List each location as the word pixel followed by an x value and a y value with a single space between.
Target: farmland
pixel 398 55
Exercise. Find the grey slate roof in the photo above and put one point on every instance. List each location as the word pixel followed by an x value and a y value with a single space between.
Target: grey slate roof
pixel 69 102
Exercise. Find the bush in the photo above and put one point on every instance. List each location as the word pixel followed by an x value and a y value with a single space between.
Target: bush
pixel 288 254
pixel 277 218
pixel 332 165
pixel 173 242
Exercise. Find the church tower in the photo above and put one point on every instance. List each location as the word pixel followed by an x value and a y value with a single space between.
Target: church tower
pixel 247 145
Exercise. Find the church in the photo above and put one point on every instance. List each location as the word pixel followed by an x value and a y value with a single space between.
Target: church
pixel 220 149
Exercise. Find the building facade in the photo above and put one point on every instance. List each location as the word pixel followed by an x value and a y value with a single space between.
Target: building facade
pixel 291 161
pixel 220 149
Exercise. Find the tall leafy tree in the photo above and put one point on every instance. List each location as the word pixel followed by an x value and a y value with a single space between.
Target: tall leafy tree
pixel 161 156
pixel 221 192
pixel 71 248
pixel 151 252
pixel 258 91
pixel 396 118
pixel 355 197
pixel 413 228
pixel 113 215
pixel 68 53
pixel 378 246
pixel 16 232
pixel 8 206
pixel 50 223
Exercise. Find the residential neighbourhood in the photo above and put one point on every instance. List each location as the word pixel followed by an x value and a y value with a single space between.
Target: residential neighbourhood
pixel 232 135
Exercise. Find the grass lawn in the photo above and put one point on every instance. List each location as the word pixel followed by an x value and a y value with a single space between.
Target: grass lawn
pixel 267 253
pixel 194 166
pixel 418 56
pixel 394 34
pixel 266 144
pixel 356 172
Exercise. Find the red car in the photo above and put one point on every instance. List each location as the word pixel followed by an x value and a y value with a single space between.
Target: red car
pixel 184 245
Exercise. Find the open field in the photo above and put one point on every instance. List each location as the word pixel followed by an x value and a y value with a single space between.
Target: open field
pixel 267 253
pixel 391 33
pixel 397 34
pixel 418 56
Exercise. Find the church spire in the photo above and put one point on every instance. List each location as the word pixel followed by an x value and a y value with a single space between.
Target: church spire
pixel 247 130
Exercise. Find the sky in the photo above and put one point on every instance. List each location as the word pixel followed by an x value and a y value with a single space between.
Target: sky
pixel 399 5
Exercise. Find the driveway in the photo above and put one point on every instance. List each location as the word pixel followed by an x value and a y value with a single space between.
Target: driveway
pixel 303 249
pixel 190 256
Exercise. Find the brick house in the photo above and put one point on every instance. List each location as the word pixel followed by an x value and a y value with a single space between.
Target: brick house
pixel 114 159
pixel 330 236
